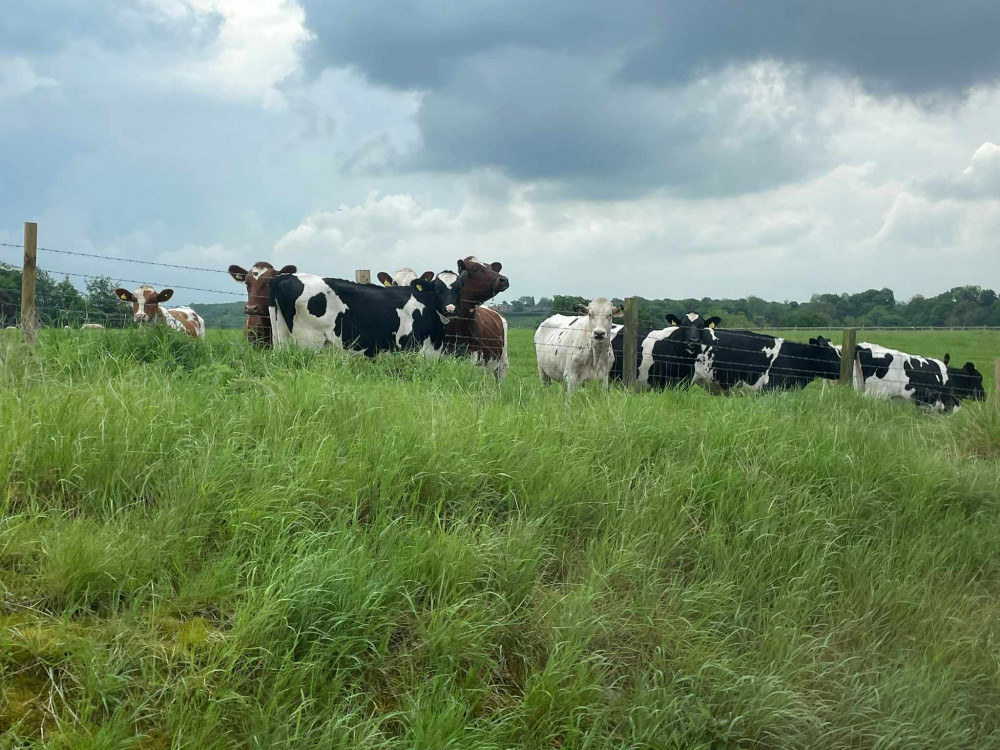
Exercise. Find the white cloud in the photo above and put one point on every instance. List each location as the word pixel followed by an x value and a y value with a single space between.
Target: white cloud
pixel 18 79
pixel 258 46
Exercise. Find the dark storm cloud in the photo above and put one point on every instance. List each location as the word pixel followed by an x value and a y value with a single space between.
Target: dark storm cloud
pixel 421 43
pixel 909 46
pixel 594 98
pixel 901 46
pixel 548 116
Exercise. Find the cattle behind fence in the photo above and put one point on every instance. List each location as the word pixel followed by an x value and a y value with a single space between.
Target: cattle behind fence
pixel 850 367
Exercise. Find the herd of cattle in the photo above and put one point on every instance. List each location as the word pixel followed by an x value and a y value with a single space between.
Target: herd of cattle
pixel 443 314
pixel 432 313
pixel 691 350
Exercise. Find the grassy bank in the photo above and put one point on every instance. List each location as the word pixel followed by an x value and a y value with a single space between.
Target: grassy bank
pixel 206 546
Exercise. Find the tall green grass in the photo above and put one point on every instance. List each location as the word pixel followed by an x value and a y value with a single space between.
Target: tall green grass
pixel 208 546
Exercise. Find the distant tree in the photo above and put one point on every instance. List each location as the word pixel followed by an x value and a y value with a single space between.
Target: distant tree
pixel 564 304
pixel 102 306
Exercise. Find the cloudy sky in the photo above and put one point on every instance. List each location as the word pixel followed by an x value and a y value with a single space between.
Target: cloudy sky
pixel 711 148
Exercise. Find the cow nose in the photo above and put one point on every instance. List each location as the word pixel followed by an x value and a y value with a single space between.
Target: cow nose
pixel 503 284
pixel 141 317
pixel 450 309
pixel 251 310
pixel 599 335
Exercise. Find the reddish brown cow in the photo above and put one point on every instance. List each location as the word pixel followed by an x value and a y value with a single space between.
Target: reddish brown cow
pixel 146 309
pixel 476 331
pixel 257 329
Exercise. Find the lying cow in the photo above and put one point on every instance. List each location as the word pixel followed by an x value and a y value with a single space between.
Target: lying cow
pixel 315 311
pixel 965 381
pixel 257 329
pixel 665 357
pixel 575 349
pixel 146 309
pixel 761 362
pixel 890 373
pixel 478 332
pixel 91 326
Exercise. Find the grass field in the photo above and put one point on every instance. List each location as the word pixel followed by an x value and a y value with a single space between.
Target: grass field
pixel 206 546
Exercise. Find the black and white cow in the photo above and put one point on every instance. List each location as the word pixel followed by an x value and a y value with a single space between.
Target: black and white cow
pixel 315 311
pixel 665 357
pixel 965 381
pixel 889 373
pixel 760 362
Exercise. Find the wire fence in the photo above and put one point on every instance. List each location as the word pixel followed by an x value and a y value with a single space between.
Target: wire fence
pixel 730 358
pixel 59 308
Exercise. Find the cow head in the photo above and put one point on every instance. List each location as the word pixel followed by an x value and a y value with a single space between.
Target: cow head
pixel 599 313
pixel 402 277
pixel 822 341
pixel 441 292
pixel 257 281
pixel 965 381
pixel 145 302
pixel 484 281
pixel 693 329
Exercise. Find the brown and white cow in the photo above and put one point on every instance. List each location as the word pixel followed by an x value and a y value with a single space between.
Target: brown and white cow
pixel 257 329
pixel 476 331
pixel 146 309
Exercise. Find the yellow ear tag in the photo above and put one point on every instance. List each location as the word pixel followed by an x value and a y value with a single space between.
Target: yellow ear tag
pixel 386 283
pixel 420 288
pixel 123 297
pixel 241 276
pixel 711 325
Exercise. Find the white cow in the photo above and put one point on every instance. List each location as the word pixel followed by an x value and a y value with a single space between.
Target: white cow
pixel 402 277
pixel 577 348
pixel 88 326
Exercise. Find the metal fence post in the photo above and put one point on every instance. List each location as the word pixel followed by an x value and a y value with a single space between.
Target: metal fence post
pixel 630 344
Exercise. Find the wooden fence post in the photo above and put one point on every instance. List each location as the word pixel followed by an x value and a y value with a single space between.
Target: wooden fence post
pixel 630 344
pixel 847 356
pixel 29 322
pixel 996 377
pixel 363 277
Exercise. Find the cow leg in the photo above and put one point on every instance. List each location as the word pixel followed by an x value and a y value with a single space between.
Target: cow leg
pixel 546 380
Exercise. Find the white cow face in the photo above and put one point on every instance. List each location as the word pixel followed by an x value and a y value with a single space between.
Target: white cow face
pixel 599 313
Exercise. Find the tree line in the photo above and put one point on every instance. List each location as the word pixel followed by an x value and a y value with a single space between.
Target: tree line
pixel 962 306
pixel 59 303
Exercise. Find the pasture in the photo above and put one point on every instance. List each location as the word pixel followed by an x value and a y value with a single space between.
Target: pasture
pixel 208 546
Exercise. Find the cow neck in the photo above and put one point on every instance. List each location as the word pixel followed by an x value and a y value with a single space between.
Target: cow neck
pixel 465 317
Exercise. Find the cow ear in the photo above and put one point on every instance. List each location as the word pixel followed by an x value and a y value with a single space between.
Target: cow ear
pixel 288 269
pixel 673 319
pixel 461 265
pixel 124 295
pixel 813 342
pixel 164 295
pixel 713 321
pixel 969 368
pixel 385 278
pixel 463 277
pixel 238 273
pixel 427 276
pixel 582 309
pixel 618 312
pixel 946 359
pixel 496 266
